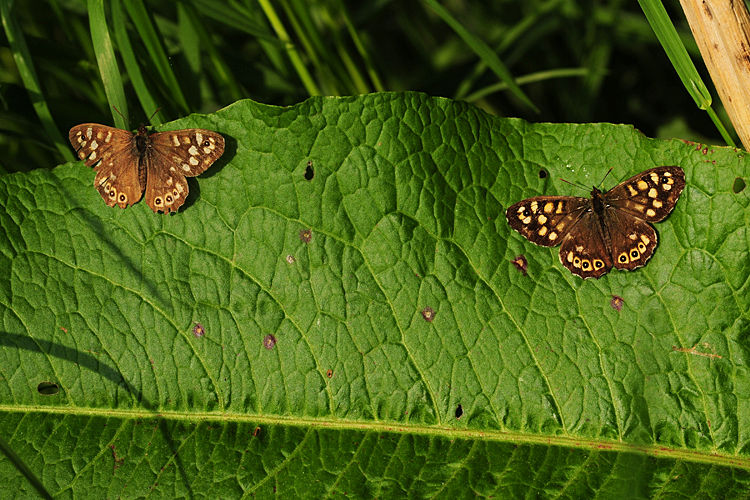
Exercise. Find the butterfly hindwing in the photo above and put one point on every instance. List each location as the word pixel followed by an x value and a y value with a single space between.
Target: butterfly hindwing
pixel 174 156
pixel 584 251
pixel 545 220
pixel 632 240
pixel 118 178
pixel 650 195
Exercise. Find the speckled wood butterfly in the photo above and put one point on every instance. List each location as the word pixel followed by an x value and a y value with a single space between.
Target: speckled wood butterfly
pixel 157 163
pixel 610 228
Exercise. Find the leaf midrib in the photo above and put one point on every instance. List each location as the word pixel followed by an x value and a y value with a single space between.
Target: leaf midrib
pixel 711 457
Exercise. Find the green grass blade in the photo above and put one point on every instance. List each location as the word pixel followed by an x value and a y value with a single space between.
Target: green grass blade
pixel 665 31
pixel 151 40
pixel 229 88
pixel 26 70
pixel 108 68
pixel 291 50
pixel 371 71
pixel 129 59
pixel 482 50
pixel 531 78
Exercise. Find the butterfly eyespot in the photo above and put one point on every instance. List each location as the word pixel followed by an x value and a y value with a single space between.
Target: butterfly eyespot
pixel 623 258
pixel 634 253
pixel 169 198
pixel 641 247
pixel 123 198
pixel 112 193
pixel 585 264
pixel 157 200
pixel 598 264
pixel 206 144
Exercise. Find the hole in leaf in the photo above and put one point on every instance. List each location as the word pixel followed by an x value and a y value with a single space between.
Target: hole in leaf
pixel 329 373
pixel 739 185
pixel 48 388
pixel 542 173
pixel 459 411
pixel 309 172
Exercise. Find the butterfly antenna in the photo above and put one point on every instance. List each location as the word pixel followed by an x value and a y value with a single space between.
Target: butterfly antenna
pixel 605 176
pixel 118 112
pixel 580 186
pixel 154 114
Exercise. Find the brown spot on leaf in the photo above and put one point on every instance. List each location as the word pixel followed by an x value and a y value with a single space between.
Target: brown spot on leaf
pixel 198 330
pixel 305 235
pixel 269 341
pixel 256 432
pixel 521 264
pixel 329 373
pixel 290 259
pixel 428 314
pixel 617 302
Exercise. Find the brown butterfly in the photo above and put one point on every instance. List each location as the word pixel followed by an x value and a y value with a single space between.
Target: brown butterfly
pixel 610 228
pixel 155 163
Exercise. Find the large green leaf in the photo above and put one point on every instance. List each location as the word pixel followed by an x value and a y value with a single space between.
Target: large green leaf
pixel 335 226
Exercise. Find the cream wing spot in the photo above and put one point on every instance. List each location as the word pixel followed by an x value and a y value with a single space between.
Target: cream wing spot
pixel 658 204
pixel 186 140
pixel 527 220
pixel 193 151
pixel 94 144
pixel 198 138
pixel 633 192
pixel 652 193
pixel 99 135
pixel 654 177
pixel 186 167
pixel 88 133
pixel 542 231
pixel 193 160
pixel 549 207
pixel 208 150
pixel 175 140
pixel 650 212
pixel 542 219
pixel 534 204
pixel 666 187
pixel 645 239
pixel 109 137
pixel 642 185
pixel 552 236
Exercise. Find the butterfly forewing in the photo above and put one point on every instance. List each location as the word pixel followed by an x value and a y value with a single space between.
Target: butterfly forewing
pixel 116 180
pixel 173 156
pixel 650 195
pixel 545 220
pixel 158 163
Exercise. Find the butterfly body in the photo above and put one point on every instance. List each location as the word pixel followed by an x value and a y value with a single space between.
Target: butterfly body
pixel 155 165
pixel 611 228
